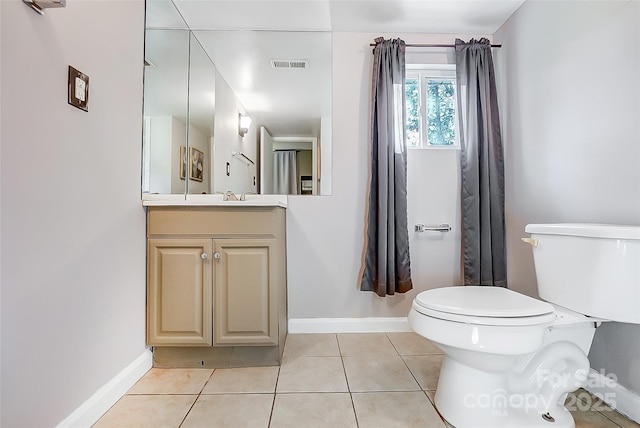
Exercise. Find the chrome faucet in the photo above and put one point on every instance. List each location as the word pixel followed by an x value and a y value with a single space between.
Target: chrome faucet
pixel 230 196
pixel 225 196
pixel 243 197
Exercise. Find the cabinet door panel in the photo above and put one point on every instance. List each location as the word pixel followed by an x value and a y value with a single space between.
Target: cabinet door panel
pixel 179 292
pixel 245 304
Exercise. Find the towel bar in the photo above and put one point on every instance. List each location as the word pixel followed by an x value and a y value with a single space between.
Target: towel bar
pixel 444 227
pixel 243 157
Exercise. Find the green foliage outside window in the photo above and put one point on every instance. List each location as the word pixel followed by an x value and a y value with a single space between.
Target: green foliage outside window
pixel 441 124
pixel 413 112
pixel 439 116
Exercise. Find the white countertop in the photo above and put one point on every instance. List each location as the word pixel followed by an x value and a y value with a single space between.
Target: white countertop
pixel 213 200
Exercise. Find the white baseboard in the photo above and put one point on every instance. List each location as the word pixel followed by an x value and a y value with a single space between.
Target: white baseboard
pixel 91 410
pixel 348 325
pixel 615 395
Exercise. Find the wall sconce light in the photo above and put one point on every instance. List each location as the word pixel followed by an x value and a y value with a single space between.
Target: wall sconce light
pixel 244 123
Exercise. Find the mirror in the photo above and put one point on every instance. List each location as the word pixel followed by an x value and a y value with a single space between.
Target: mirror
pixel 202 101
pixel 282 81
pixel 166 110
pixel 200 84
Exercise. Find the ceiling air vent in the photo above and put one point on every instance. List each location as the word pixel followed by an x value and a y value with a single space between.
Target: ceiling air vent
pixel 289 63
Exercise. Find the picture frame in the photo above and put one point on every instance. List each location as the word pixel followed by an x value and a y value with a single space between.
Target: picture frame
pixel 196 164
pixel 183 162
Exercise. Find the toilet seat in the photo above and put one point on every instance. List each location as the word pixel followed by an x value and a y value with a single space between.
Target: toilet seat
pixel 483 306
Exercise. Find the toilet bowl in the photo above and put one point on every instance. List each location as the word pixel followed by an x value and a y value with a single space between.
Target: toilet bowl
pixel 509 359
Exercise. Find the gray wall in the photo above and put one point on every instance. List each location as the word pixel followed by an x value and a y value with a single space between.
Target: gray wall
pixel 325 234
pixel 73 228
pixel 573 137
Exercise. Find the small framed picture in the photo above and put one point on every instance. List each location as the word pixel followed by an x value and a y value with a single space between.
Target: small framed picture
pixel 183 162
pixel 196 164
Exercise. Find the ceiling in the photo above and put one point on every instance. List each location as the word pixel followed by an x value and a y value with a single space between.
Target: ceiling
pixel 422 16
pixel 290 102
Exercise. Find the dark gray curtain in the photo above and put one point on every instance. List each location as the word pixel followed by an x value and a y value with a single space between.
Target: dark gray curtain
pixel 386 265
pixel 483 226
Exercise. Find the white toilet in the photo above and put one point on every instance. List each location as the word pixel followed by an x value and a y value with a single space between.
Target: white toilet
pixel 509 359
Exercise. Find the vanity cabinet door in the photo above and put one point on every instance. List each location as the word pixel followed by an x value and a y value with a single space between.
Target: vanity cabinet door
pixel 179 300
pixel 246 308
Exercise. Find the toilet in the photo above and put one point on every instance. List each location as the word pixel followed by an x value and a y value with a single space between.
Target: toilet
pixel 510 360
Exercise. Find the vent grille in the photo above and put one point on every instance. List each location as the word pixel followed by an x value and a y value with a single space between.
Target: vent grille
pixel 289 63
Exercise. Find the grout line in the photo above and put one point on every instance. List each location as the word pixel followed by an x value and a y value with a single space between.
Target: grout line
pixel 424 391
pixel 197 398
pixel 610 420
pixel 275 387
pixel 188 411
pixel 596 402
pixel 344 370
pixel 392 344
pixel 412 375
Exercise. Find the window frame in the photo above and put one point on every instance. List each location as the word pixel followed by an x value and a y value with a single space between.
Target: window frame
pixel 423 73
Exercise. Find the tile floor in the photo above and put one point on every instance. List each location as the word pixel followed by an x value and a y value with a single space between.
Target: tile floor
pixel 323 381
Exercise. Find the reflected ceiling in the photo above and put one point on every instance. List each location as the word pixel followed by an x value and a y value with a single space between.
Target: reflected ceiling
pixel 300 29
pixel 421 16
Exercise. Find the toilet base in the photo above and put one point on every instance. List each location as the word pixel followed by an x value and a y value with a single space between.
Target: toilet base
pixel 469 398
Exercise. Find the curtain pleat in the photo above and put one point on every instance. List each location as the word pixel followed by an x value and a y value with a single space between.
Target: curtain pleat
pixel 285 172
pixel 482 166
pixel 386 263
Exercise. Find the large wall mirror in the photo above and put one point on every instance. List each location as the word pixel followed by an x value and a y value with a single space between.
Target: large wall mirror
pixel 234 109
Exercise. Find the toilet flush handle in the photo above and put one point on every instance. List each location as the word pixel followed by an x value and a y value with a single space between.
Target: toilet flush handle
pixel 533 242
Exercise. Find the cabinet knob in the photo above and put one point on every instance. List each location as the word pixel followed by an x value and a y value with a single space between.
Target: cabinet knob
pixel 216 256
pixel 204 256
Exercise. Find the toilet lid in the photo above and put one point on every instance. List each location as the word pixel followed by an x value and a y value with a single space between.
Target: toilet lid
pixel 494 302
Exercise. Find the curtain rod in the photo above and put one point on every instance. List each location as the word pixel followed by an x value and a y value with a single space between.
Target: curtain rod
pixel 418 45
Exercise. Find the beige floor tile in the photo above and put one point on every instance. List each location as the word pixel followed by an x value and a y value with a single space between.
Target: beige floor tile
pixel 312 374
pixel 253 380
pixel 230 411
pixel 425 368
pixel 412 344
pixel 378 374
pixel 312 345
pixel 588 400
pixel 365 344
pixel 328 410
pixel 172 381
pixel 619 419
pixel 578 401
pixel 592 419
pixel 153 411
pixel 395 409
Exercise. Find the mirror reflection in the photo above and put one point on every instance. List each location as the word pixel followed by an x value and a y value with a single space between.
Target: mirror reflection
pixel 246 111
pixel 166 85
pixel 202 101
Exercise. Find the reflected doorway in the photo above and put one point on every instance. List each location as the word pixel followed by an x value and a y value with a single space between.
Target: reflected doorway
pixel 282 172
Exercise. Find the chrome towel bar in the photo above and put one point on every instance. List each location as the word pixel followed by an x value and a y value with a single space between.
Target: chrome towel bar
pixel 444 227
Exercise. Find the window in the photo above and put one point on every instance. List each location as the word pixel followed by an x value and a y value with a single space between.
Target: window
pixel 431 108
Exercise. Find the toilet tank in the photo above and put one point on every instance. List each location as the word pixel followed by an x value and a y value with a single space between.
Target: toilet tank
pixel 593 269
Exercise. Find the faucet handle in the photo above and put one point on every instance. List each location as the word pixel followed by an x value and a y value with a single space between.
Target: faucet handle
pixel 243 197
pixel 225 197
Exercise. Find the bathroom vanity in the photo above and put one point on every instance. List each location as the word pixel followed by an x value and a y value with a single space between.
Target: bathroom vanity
pixel 216 282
